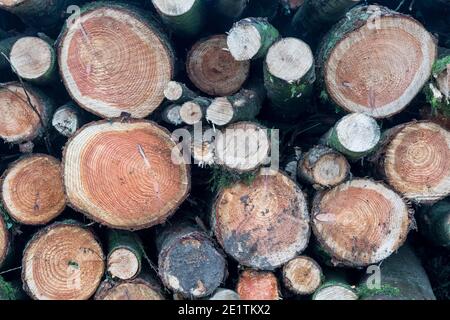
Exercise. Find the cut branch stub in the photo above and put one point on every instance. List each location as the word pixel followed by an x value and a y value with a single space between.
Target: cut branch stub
pixel 137 289
pixel 417 161
pixel 360 222
pixel 135 60
pixel 126 175
pixel 213 70
pixel 242 147
pixel 258 285
pixel 19 121
pixel 264 224
pixel 32 191
pixel 302 275
pixel 63 261
pixel 376 60
pixel 4 239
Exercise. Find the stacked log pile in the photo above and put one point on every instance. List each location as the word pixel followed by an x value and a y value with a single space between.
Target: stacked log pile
pixel 224 149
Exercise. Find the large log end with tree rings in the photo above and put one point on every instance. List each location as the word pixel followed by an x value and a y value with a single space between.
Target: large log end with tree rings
pixel 21 122
pixel 263 224
pixel 136 289
pixel 126 175
pixel 4 239
pixel 302 275
pixel 376 61
pixel 258 285
pixel 32 191
pixel 63 261
pixel 360 222
pixel 213 70
pixel 135 60
pixel 417 161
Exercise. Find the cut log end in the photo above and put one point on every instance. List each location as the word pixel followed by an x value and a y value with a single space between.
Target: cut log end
pixel 22 123
pixel 4 239
pixel 149 173
pixel 258 285
pixel 137 289
pixel 243 147
pixel 123 264
pixel 358 133
pixel 173 91
pixel 289 59
pixel 335 292
pixel 401 54
pixel 212 68
pixel 191 112
pixel 244 41
pixel 302 275
pixel 174 8
pixel 360 222
pixel 220 112
pixel 93 60
pixel 417 162
pixel 66 120
pixel 32 58
pixel 62 262
pixel 262 225
pixel 32 190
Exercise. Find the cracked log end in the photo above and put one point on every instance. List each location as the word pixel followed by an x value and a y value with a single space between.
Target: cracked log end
pixel 62 262
pixel 19 122
pixel 302 275
pixel 258 285
pixel 137 289
pixel 360 222
pixel 263 224
pixel 32 190
pixel 133 59
pixel 125 175
pixel 4 240
pixel 213 70
pixel 380 66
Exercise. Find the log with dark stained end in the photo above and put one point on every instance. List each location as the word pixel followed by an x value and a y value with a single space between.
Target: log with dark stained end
pixel 32 191
pixel 263 224
pixel 258 285
pixel 213 70
pixel 360 222
pixel 63 261
pixel 125 174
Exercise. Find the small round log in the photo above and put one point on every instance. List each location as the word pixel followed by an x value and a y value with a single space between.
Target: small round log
pixel 258 285
pixel 213 70
pixel 178 92
pixel 32 191
pixel 142 288
pixel 67 119
pixel 302 275
pixel 63 261
pixel 194 111
pixel 263 224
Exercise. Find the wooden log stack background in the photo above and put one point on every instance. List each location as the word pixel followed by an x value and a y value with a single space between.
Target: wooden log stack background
pixel 319 147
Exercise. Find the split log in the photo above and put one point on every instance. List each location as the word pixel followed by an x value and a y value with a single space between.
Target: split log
pixel 34 59
pixel 213 70
pixel 355 136
pixel 125 254
pixel 242 147
pixel 178 92
pixel 415 160
pixel 225 295
pixel 135 50
pixel 251 38
pixel 22 122
pixel 263 224
pixel 335 287
pixel 244 105
pixel 323 167
pixel 130 174
pixel 360 222
pixel 32 191
pixel 315 16
pixel 171 114
pixel 401 54
pixel 63 261
pixel 184 17
pixel 402 278
pixel 142 288
pixel 289 73
pixel 189 262
pixel 4 239
pixel 434 223
pixel 258 285
pixel 302 275
pixel 194 111
pixel 67 119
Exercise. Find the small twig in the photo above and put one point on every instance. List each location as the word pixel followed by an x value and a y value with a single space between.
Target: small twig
pixel 10 270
